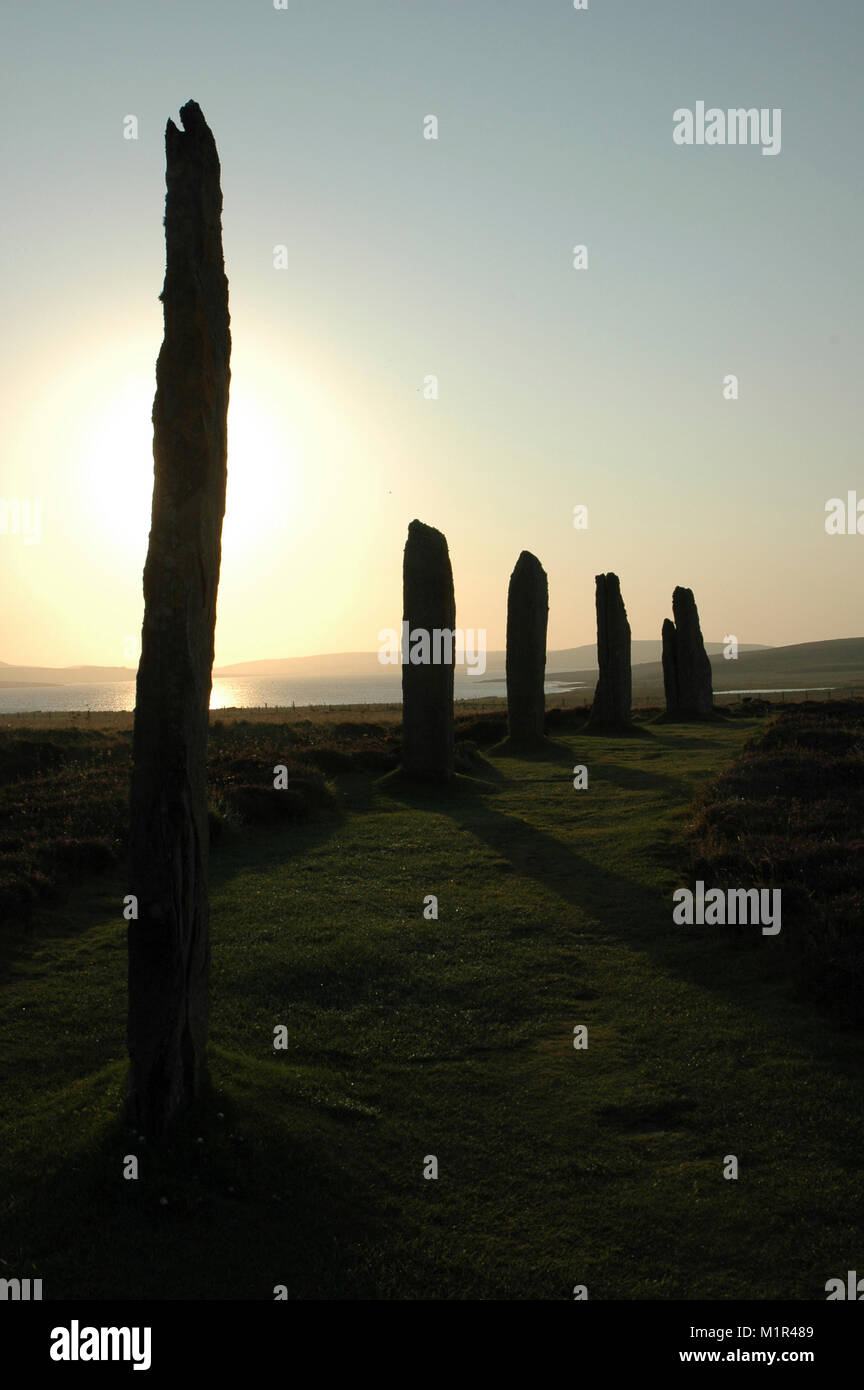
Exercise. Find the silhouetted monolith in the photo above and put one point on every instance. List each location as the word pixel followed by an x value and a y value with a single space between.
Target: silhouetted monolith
pixel 527 617
pixel 686 667
pixel 428 626
pixel 169 946
pixel 612 696
pixel 669 639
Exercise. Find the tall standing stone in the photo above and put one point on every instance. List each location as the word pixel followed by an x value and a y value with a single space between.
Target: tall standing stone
pixel 527 618
pixel 669 642
pixel 686 666
pixel 427 685
pixel 169 945
pixel 612 696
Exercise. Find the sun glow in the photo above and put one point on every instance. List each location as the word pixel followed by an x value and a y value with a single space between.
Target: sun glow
pixel 261 498
pixel 115 462
pixel 114 468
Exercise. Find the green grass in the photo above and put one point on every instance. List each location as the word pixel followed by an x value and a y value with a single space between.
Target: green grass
pixel 453 1037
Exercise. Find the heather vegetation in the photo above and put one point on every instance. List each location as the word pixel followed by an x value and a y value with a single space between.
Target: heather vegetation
pixel 789 814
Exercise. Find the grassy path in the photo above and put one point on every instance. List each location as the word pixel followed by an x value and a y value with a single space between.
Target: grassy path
pixel 452 1038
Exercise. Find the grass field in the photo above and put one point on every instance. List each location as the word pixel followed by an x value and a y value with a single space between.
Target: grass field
pixel 410 1037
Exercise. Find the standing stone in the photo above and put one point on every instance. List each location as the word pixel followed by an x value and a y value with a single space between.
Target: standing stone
pixel 612 697
pixel 686 667
pixel 427 686
pixel 669 638
pixel 169 946
pixel 527 617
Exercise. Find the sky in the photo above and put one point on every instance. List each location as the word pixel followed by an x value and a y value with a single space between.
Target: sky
pixel 409 258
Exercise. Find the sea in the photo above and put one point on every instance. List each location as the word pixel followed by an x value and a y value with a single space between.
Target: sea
pixel 250 692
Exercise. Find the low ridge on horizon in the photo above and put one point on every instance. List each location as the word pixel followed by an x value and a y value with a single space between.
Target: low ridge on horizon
pixel 568 663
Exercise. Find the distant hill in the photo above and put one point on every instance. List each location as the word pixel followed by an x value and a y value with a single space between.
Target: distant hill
pixel 367 665
pixel 63 675
pixel 353 665
pixel 328 664
pixel 838 663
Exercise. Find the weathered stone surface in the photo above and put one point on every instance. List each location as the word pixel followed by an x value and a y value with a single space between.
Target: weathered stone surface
pixel 527 618
pixel 669 639
pixel 686 667
pixel 427 687
pixel 612 696
pixel 169 948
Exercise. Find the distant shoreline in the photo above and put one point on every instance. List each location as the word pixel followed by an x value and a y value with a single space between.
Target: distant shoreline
pixel 391 713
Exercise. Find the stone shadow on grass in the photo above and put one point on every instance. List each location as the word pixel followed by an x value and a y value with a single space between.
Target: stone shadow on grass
pixel 636 779
pixel 616 731
pixel 438 795
pixel 543 750
pixel 716 717
pixel 737 968
pixel 246 1193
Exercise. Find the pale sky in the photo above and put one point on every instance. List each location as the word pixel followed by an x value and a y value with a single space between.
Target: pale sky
pixel 409 257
